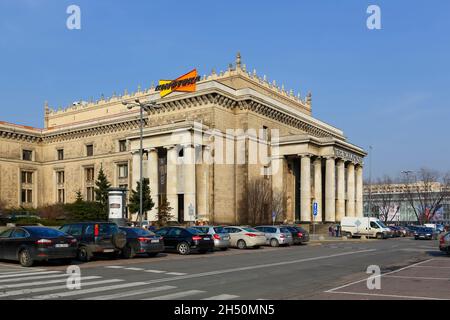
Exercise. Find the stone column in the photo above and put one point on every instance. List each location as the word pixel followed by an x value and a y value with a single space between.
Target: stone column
pixel 152 169
pixel 277 167
pixel 189 183
pixel 172 190
pixel 318 188
pixel 305 192
pixel 135 174
pixel 350 190
pixel 340 201
pixel 330 191
pixel 359 191
pixel 203 185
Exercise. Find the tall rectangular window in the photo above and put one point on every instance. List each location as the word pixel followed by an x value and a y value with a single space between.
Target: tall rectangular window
pixel 61 196
pixel 60 177
pixel 27 177
pixel 123 145
pixel 123 171
pixel 27 196
pixel 89 174
pixel 27 155
pixel 60 153
pixel 89 150
pixel 90 194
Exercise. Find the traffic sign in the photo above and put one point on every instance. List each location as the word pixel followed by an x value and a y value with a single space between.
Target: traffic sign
pixel 315 208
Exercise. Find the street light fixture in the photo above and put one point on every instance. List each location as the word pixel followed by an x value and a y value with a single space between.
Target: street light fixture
pixel 147 106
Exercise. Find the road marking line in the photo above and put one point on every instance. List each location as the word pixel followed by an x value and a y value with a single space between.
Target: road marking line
pixel 34 278
pixel 130 293
pixel 386 295
pixel 115 267
pixel 365 279
pixel 222 297
pixel 28 291
pixel 39 283
pixel 87 291
pixel 418 278
pixel 176 295
pixel 432 267
pixel 155 271
pixel 9 266
pixel 134 269
pixel 22 274
pixel 261 266
pixel 176 273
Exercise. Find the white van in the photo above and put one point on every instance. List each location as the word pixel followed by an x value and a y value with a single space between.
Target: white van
pixel 371 227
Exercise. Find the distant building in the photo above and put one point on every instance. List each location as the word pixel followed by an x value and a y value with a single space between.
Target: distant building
pixel 400 209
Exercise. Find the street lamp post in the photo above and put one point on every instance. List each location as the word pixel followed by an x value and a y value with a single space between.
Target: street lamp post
pixel 369 212
pixel 407 173
pixel 147 106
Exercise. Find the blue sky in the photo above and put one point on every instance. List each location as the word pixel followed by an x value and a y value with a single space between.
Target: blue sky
pixel 387 88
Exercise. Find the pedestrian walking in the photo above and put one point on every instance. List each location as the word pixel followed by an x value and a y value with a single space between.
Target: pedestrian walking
pixel 330 231
pixel 338 230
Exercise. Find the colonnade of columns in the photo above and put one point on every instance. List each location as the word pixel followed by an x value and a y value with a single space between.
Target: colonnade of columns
pixel 343 189
pixel 172 183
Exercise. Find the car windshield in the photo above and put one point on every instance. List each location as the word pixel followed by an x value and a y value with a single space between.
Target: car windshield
pixel 381 224
pixel 250 230
pixel 220 230
pixel 194 231
pixel 46 232
pixel 284 230
pixel 202 229
pixel 138 232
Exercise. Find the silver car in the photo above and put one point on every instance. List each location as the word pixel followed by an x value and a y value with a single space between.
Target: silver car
pixel 276 235
pixel 220 236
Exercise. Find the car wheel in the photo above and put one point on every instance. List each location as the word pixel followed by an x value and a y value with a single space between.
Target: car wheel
pixel 241 244
pixel 119 240
pixel 223 249
pixel 349 235
pixel 379 236
pixel 128 252
pixel 183 248
pixel 25 258
pixel 84 254
pixel 274 243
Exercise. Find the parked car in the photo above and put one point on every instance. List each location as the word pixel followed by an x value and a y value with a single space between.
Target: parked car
pixel 395 232
pixel 185 240
pixel 245 237
pixel 424 233
pixel 276 235
pixel 30 244
pixel 299 235
pixel 141 241
pixel 411 229
pixel 444 243
pixel 96 238
pixel 220 236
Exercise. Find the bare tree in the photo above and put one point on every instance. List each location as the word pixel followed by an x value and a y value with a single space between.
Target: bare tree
pixel 259 196
pixel 385 200
pixel 427 193
pixel 278 205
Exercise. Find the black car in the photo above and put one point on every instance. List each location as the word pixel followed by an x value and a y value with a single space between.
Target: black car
pixel 141 241
pixel 424 233
pixel 96 238
pixel 299 235
pixel 185 240
pixel 30 244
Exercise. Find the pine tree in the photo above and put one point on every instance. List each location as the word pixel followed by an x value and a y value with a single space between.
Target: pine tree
pixel 79 197
pixel 164 213
pixel 147 201
pixel 101 191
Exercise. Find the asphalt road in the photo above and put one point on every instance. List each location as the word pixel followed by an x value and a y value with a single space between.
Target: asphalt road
pixel 330 270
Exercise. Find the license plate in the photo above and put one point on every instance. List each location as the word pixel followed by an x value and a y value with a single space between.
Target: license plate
pixel 108 250
pixel 206 238
pixel 155 241
pixel 61 245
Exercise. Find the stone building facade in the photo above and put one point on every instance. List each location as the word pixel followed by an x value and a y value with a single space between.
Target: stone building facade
pixel 198 151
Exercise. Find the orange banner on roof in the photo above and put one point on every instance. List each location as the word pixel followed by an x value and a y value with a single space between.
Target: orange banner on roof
pixel 185 83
